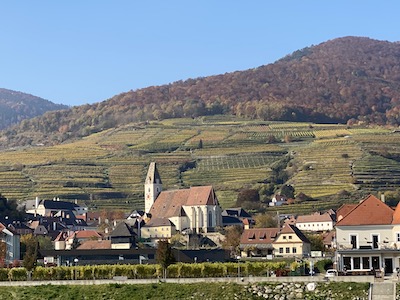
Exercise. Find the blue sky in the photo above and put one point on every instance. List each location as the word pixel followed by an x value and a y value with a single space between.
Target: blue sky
pixel 77 52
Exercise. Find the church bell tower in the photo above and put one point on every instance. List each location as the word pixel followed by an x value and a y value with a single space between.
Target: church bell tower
pixel 152 186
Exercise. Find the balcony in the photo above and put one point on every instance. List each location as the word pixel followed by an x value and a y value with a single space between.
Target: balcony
pixel 386 245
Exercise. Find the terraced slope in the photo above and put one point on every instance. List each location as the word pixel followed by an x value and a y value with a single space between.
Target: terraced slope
pixel 107 169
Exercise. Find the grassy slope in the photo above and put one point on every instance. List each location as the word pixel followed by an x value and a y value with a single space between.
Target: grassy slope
pixel 107 169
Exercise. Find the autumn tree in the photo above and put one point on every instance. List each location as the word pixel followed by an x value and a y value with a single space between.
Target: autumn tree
pixel 267 220
pixel 247 195
pixel 316 241
pixel 232 239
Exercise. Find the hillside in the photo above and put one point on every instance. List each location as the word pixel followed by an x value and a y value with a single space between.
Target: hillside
pixel 343 80
pixel 331 163
pixel 17 106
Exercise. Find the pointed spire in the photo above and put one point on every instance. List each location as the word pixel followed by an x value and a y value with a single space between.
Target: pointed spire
pixel 153 177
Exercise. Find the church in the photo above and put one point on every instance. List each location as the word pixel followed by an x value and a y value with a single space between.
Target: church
pixel 195 209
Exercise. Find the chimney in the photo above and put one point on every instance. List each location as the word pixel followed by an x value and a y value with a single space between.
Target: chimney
pixel 37 202
pixel 383 198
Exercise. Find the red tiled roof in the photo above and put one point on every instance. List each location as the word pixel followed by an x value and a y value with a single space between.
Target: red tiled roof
pixel 370 211
pixel 396 215
pixel 85 234
pixel 259 236
pixel 344 210
pixel 201 195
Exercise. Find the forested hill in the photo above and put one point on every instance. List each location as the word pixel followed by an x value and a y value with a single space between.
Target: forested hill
pixel 342 80
pixel 17 106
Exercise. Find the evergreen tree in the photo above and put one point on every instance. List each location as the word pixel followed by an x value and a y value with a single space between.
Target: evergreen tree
pixel 164 255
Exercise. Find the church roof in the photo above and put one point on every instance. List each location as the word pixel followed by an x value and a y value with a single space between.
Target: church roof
pixel 169 203
pixel 152 174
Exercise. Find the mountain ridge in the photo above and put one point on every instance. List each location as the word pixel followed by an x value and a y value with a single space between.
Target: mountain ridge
pixel 17 106
pixel 348 79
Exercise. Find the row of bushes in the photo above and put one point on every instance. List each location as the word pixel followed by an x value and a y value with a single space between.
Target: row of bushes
pixel 180 270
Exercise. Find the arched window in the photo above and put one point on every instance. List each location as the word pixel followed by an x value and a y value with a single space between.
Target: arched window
pixel 210 219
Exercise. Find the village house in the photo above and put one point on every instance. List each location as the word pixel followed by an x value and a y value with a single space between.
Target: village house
pixel 158 229
pixel 316 222
pixel 291 242
pixel 278 200
pixel 272 242
pixel 10 242
pixel 368 237
pixel 55 207
pixel 67 240
pixel 257 242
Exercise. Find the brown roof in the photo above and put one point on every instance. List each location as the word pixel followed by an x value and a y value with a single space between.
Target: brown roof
pixel 316 217
pixel 344 210
pixel 370 211
pixel 328 237
pixel 259 236
pixel 169 203
pixel 202 195
pixel 99 244
pixel 86 234
pixel 156 222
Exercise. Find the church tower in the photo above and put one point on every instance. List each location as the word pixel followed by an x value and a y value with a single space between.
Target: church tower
pixel 152 186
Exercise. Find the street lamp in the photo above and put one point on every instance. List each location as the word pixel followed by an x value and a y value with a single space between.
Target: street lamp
pixel 76 263
pixel 238 261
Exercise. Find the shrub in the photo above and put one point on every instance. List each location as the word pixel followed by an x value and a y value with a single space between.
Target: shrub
pixel 18 274
pixel 3 274
pixel 213 270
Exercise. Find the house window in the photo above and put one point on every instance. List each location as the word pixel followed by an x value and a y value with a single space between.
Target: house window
pixel 376 263
pixel 365 263
pixel 397 236
pixel 290 237
pixel 294 250
pixel 287 250
pixel 375 240
pixel 356 263
pixel 353 241
pixel 280 250
pixel 347 263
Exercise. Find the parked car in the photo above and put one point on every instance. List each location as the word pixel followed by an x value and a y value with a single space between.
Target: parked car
pixel 331 273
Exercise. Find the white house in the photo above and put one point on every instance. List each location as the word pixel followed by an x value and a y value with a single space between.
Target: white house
pixel 368 237
pixel 278 200
pixel 315 222
pixel 55 207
